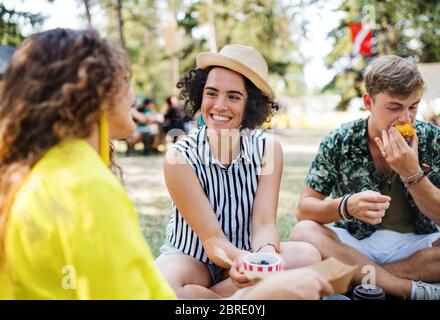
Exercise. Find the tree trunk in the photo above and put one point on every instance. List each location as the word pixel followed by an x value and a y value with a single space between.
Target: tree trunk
pixel 211 25
pixel 88 14
pixel 120 22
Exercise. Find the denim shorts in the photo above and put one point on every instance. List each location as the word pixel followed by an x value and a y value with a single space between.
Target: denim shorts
pixel 215 271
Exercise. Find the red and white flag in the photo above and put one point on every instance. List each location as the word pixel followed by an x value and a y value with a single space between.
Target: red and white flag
pixel 361 37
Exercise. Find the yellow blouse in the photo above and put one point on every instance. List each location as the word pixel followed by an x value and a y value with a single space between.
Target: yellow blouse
pixel 73 233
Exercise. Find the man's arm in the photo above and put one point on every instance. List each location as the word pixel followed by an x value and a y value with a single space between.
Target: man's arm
pixel 403 159
pixel 315 206
pixel 427 198
pixel 368 206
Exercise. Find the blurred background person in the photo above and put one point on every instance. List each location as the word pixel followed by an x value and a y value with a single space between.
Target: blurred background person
pixel 147 127
pixel 175 120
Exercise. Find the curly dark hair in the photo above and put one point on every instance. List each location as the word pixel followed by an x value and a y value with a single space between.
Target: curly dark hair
pixel 55 88
pixel 258 109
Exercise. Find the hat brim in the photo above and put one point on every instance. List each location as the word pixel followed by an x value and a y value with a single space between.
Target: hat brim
pixel 208 59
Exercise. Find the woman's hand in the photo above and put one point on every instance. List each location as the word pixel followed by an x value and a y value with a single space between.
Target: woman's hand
pixel 271 250
pixel 237 272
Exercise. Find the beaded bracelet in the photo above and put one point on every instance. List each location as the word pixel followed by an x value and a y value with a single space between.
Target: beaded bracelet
pixel 268 244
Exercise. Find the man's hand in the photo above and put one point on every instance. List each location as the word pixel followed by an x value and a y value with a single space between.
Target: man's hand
pixel 400 156
pixel 368 206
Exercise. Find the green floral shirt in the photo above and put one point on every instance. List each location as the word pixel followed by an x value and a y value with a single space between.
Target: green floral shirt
pixel 344 165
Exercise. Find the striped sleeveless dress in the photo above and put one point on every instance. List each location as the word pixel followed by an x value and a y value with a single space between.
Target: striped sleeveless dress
pixel 230 190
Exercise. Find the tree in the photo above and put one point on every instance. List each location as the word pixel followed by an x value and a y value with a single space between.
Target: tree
pixel 264 24
pixel 120 22
pixel 408 28
pixel 12 22
pixel 87 8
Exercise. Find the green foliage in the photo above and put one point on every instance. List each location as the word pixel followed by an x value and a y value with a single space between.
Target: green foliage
pixel 265 25
pixel 12 22
pixel 142 41
pixel 409 28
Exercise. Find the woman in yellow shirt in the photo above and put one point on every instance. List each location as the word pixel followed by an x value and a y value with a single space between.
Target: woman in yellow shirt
pixel 67 227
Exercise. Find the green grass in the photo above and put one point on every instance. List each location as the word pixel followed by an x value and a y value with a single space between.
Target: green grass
pixel 144 181
pixel 153 229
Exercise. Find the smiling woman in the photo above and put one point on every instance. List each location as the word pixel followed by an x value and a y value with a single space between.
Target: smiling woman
pixel 224 179
pixel 224 99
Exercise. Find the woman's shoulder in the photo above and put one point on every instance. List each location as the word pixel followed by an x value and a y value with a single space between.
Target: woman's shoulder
pixel 192 141
pixel 257 133
pixel 256 137
pixel 67 169
pixel 75 188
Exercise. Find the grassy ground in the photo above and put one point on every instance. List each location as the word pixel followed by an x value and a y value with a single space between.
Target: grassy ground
pixel 144 181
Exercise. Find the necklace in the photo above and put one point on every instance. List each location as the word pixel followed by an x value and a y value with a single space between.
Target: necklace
pixel 383 170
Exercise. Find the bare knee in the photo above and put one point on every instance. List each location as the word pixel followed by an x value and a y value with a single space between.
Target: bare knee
pixel 304 230
pixel 165 264
pixel 180 270
pixel 310 253
pixel 299 254
pixel 436 243
pixel 312 232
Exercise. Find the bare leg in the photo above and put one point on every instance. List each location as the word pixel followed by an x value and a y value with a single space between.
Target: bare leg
pixel 189 277
pixel 423 265
pixel 156 142
pixel 329 245
pixel 225 288
pixel 299 254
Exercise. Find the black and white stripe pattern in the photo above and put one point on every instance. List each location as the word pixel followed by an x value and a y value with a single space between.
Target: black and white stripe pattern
pixel 230 190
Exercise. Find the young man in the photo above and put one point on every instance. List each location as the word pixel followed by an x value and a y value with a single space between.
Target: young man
pixel 382 191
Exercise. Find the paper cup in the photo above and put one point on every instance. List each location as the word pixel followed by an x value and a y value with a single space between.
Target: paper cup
pixel 261 264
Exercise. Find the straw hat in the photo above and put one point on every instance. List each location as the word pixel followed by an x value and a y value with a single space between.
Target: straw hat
pixel 242 59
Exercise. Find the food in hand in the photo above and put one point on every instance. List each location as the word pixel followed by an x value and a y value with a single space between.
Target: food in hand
pixel 407 130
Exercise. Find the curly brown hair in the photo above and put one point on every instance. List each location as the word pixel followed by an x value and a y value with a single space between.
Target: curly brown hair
pixel 258 109
pixel 55 88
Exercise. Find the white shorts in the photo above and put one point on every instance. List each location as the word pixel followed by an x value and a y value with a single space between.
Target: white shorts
pixel 386 246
